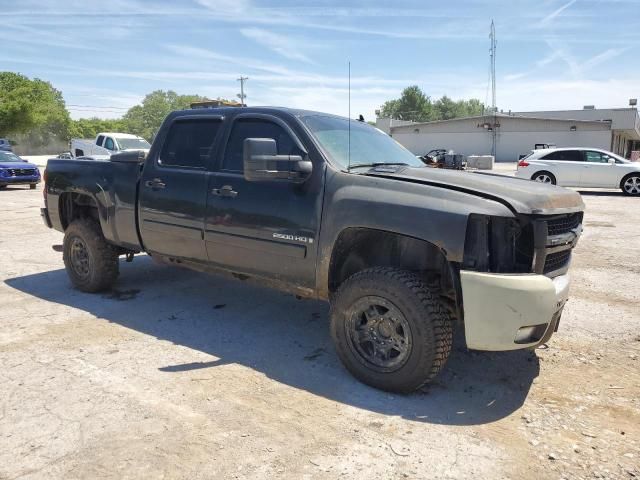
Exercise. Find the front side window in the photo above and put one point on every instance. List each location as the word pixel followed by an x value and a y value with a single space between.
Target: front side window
pixel 189 143
pixel 361 144
pixel 564 155
pixel 255 128
pixel 108 143
pixel 595 157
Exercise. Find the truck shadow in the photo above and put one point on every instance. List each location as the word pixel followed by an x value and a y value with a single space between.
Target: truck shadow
pixel 286 339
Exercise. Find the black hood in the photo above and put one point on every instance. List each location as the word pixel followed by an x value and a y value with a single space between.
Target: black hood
pixel 522 196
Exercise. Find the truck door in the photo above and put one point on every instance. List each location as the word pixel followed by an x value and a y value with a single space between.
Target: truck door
pixel 173 189
pixel 268 228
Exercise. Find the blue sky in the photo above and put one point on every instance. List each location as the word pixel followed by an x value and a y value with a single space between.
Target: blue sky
pixel 104 56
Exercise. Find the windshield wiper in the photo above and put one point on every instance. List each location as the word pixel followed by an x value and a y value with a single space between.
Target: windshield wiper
pixel 379 164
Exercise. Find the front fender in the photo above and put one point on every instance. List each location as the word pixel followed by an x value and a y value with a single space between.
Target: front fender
pixel 433 214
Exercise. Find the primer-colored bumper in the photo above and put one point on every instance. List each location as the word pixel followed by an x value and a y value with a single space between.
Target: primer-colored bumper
pixel 497 306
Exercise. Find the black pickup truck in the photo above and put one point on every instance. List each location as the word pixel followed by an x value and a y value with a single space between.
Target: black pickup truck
pixel 328 208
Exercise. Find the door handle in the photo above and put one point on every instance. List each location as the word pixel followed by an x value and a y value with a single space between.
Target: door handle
pixel 225 191
pixel 155 183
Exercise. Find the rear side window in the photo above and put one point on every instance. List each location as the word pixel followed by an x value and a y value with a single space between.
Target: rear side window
pixel 566 155
pixel 100 140
pixel 189 143
pixel 255 128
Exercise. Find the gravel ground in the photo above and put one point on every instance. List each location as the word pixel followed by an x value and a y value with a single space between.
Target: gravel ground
pixel 175 374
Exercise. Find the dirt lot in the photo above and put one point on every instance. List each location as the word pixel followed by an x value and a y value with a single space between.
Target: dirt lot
pixel 176 374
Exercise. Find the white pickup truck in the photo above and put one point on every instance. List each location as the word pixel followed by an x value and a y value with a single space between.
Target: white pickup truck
pixel 107 144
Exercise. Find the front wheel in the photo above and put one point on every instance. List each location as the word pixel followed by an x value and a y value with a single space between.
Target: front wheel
pixel 91 262
pixel 544 177
pixel 390 330
pixel 631 185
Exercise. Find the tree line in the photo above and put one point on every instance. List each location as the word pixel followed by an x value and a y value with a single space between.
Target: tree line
pixel 36 112
pixel 417 106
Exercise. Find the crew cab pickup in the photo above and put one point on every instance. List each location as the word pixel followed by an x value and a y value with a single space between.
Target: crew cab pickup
pixel 107 144
pixel 324 207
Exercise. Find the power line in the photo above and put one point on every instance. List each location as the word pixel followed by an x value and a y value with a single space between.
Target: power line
pixel 97 106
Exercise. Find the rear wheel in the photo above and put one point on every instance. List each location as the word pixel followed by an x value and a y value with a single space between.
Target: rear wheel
pixel 390 329
pixel 631 184
pixel 32 186
pixel 91 262
pixel 544 177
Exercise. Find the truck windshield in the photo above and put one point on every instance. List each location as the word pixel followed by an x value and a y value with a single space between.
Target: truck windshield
pixel 369 146
pixel 132 143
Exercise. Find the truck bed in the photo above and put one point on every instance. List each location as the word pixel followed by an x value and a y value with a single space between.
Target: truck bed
pixel 112 184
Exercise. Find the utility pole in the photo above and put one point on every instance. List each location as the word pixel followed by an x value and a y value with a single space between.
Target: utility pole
pixel 241 95
pixel 492 51
pixel 494 108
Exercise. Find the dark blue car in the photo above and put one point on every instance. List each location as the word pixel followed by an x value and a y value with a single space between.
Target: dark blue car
pixel 16 171
pixel 5 145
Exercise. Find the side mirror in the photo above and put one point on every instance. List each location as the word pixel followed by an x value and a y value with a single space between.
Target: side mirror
pixel 262 162
pixel 611 161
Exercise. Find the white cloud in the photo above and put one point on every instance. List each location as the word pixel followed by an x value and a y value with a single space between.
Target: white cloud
pixel 549 18
pixel 282 45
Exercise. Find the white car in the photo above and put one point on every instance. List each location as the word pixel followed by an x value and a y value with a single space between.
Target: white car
pixel 107 143
pixel 581 167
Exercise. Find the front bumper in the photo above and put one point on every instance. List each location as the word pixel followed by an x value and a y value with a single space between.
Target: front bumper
pixel 511 311
pixel 19 180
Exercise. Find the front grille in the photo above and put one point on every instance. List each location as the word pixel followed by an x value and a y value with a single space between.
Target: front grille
pixel 21 172
pixel 564 224
pixel 556 261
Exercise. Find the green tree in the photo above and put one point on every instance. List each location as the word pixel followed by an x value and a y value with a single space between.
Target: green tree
pixel 416 106
pixel 412 105
pixel 90 127
pixel 31 106
pixel 145 119
pixel 447 109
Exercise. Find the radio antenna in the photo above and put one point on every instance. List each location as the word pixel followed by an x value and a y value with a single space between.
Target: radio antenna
pixel 349 134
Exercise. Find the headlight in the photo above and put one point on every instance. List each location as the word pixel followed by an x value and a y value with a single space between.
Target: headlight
pixel 498 244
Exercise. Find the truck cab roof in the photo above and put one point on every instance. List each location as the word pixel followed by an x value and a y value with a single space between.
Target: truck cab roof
pixel 232 111
pixel 117 135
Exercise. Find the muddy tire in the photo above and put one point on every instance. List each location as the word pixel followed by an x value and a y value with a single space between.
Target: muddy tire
pixel 390 330
pixel 91 263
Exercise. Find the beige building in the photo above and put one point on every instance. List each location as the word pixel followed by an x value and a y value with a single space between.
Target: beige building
pixel 625 124
pixel 508 136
